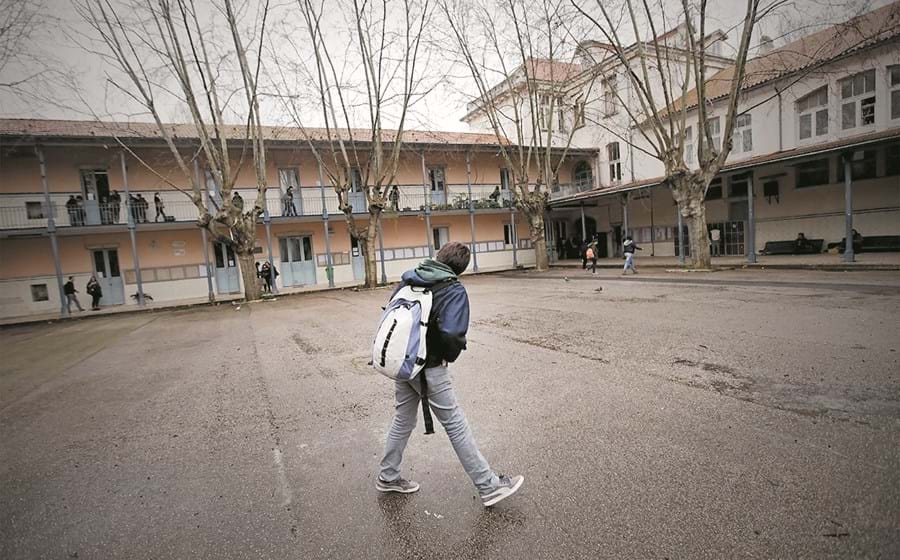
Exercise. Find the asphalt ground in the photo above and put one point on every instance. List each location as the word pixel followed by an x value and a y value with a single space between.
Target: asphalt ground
pixel 739 414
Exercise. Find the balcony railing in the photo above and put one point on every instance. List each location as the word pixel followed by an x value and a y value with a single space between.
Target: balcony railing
pixel 305 202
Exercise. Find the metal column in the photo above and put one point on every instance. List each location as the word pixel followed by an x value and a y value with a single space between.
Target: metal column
pixel 329 268
pixel 267 220
pixel 131 228
pixel 515 234
pixel 680 234
pixel 848 209
pixel 51 232
pixel 381 249
pixel 625 214
pixel 471 210
pixel 209 282
pixel 583 226
pixel 428 232
pixel 750 241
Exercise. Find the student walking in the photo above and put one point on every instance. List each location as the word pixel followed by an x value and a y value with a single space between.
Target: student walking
pixel 160 208
pixel 70 291
pixel 95 291
pixel 629 247
pixel 591 255
pixel 445 340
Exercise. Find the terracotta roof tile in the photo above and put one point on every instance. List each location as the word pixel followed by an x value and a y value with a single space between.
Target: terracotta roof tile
pixel 842 39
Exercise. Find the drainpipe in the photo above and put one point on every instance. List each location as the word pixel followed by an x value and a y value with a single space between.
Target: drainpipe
pixel 780 120
pixel 51 231
pixel 428 232
pixel 131 228
pixel 471 209
pixel 209 282
pixel 329 268
pixel 751 221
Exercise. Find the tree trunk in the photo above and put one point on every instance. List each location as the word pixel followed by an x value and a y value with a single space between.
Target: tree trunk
pixel 695 212
pixel 369 251
pixel 539 241
pixel 247 262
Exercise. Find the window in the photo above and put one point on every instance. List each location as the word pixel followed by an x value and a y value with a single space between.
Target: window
pixel 436 177
pixel 615 163
pixel 812 113
pixel 742 137
pixel 504 179
pixel 560 115
pixel 770 189
pixel 546 116
pixel 738 185
pixel 858 100
pixel 39 292
pixel 288 177
pixel 862 165
pixel 813 173
pixel 610 101
pixel 894 85
pixel 356 181
pixel 892 160
pixel 714 191
pixel 688 145
pixel 509 236
pixel 579 114
pixel 583 176
pixel 34 210
pixel 712 125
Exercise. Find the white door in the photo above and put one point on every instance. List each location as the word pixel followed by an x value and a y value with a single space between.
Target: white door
pixel 438 186
pixel 440 237
pixel 106 270
pixel 227 277
pixel 298 265
pixel 357 259
pixel 357 191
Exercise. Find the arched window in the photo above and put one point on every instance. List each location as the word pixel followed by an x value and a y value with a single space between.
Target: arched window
pixel 584 177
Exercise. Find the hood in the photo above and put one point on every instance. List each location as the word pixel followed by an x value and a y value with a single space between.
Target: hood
pixel 428 273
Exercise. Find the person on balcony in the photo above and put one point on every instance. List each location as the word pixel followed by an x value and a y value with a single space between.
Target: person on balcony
pixel 394 197
pixel 72 209
pixel 143 207
pixel 238 201
pixel 495 196
pixel 160 208
pixel 115 206
pixel 287 203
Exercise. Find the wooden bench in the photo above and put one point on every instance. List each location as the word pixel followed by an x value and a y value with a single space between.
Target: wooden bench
pixel 872 244
pixel 809 247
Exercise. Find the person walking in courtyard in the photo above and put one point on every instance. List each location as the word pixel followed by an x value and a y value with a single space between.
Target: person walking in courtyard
pixel 160 208
pixel 629 247
pixel 70 291
pixel 95 291
pixel 591 255
pixel 445 340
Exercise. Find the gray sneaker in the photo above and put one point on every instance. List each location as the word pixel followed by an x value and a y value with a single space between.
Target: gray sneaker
pixel 506 488
pixel 400 485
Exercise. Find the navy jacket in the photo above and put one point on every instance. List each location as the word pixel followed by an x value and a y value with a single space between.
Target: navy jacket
pixel 449 320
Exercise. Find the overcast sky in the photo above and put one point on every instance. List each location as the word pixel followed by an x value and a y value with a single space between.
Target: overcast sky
pixel 442 109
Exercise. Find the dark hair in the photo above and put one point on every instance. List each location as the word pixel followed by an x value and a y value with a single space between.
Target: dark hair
pixel 455 255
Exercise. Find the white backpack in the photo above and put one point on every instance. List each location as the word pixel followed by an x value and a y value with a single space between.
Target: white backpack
pixel 399 349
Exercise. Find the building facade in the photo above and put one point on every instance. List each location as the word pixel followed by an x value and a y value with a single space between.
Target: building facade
pixel 452 187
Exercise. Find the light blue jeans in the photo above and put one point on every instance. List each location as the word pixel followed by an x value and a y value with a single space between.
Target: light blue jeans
pixel 629 261
pixel 442 399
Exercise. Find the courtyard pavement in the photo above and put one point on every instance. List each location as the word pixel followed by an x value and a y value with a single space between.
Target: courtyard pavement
pixel 736 414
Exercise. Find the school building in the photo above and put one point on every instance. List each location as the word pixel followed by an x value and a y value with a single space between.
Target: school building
pixel 448 185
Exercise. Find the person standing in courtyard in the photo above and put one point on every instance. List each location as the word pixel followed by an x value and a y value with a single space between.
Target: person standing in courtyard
pixel 70 291
pixel 95 291
pixel 591 255
pixel 629 247
pixel 445 340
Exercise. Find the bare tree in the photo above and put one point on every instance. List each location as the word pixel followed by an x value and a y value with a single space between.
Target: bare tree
pixel 522 84
pixel 660 72
pixel 164 55
pixel 374 69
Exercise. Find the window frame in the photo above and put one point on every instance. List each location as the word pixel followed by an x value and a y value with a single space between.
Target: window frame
pixel 743 131
pixel 30 206
pixel 858 98
pixel 893 86
pixel 806 108
pixel 610 96
pixel 739 178
pixel 808 164
pixel 688 146
pixel 868 163
pixel 717 137
pixel 716 184
pixel 295 171
pixel 614 165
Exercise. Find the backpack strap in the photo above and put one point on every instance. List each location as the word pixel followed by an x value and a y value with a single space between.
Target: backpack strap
pixel 426 410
